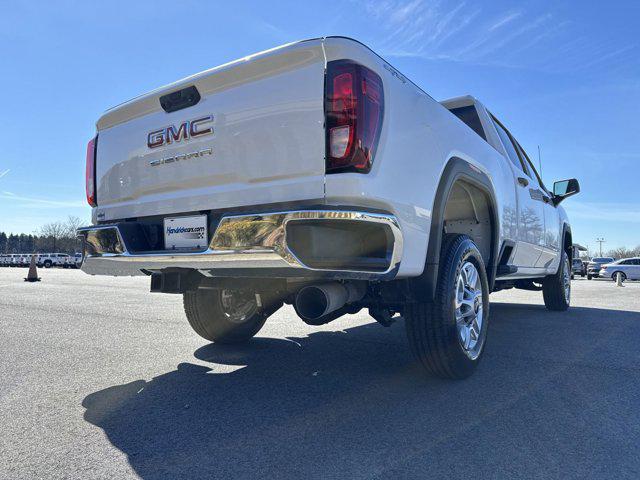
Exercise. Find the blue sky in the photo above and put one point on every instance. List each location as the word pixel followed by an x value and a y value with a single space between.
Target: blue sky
pixel 564 75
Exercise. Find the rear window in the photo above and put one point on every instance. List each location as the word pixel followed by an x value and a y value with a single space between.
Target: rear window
pixel 469 115
pixel 602 259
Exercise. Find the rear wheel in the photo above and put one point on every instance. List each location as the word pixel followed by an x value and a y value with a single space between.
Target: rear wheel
pixel 556 289
pixel 614 278
pixel 228 315
pixel 448 335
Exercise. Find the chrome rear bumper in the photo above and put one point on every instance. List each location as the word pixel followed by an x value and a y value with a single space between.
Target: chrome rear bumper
pixel 242 245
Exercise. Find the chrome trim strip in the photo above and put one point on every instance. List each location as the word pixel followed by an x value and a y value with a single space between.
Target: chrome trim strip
pixel 251 241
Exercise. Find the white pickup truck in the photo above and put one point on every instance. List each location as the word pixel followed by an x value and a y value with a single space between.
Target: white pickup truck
pixel 316 174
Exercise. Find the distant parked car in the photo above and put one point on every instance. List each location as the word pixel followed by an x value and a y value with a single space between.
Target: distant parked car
pixel 629 268
pixel 578 267
pixel 68 261
pixel 45 260
pixel 25 259
pixel 78 260
pixel 64 260
pixel 593 268
pixel 48 260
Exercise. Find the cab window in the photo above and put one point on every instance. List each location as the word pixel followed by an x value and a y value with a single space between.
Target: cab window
pixel 508 144
pixel 523 159
pixel 527 160
pixel 469 115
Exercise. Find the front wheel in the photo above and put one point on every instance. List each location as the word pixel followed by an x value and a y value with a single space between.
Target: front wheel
pixel 228 315
pixel 556 289
pixel 448 334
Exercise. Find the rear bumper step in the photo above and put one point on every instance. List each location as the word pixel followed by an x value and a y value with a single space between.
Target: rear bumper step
pixel 318 243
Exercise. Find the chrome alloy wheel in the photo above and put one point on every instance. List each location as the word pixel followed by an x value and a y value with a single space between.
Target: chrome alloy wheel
pixel 469 310
pixel 238 305
pixel 566 280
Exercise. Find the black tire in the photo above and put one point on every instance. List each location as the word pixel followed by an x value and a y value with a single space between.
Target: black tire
pixel 613 277
pixel 431 326
pixel 47 264
pixel 589 277
pixel 207 316
pixel 557 293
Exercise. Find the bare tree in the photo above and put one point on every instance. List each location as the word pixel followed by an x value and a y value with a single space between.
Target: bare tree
pixel 72 225
pixel 624 252
pixel 53 231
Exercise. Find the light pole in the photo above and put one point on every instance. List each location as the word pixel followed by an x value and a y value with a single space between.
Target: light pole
pixel 600 241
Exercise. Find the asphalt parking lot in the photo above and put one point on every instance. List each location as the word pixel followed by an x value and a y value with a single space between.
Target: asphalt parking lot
pixel 101 379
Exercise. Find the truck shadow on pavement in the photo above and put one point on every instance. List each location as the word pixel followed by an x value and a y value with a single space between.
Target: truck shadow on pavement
pixel 556 396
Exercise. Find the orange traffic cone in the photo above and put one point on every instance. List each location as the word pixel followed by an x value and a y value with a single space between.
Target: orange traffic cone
pixel 32 276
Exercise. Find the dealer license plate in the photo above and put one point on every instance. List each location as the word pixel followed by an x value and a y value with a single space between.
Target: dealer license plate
pixel 185 232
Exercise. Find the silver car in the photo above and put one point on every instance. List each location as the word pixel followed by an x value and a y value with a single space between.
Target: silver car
pixel 629 268
pixel 593 268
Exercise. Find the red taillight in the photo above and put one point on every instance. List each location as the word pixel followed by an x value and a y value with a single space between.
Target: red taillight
pixel 91 172
pixel 354 104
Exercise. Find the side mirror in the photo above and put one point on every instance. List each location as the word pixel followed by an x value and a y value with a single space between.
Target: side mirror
pixel 564 189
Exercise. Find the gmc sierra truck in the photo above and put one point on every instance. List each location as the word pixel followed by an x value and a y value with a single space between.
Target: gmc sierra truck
pixel 316 174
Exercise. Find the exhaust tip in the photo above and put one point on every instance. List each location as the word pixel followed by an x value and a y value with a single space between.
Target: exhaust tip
pixel 312 303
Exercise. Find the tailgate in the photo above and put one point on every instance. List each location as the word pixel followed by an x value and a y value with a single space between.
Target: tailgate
pixel 256 136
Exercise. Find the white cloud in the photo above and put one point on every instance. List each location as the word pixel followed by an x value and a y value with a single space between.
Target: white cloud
pixel 4 172
pixel 610 54
pixel 453 28
pixel 22 201
pixel 403 13
pixel 504 20
pixel 454 32
pixel 467 32
pixel 490 41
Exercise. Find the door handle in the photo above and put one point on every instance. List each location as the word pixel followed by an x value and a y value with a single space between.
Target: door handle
pixel 523 181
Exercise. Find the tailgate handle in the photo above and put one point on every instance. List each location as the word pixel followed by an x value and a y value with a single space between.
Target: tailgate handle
pixel 187 97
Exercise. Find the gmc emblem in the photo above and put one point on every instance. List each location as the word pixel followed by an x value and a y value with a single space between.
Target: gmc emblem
pixel 189 129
